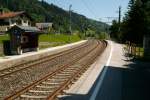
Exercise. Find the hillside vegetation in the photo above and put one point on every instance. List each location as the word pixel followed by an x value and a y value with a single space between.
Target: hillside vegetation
pixel 41 11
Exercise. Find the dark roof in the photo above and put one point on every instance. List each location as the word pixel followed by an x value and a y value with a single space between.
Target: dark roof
pixel 13 14
pixel 26 29
pixel 29 28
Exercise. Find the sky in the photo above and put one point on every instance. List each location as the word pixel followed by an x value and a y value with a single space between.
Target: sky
pixel 99 10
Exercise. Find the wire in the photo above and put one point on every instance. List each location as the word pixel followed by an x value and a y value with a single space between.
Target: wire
pixel 56 2
pixel 90 10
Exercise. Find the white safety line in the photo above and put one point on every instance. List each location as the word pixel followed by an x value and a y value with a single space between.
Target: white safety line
pixel 99 84
pixel 108 61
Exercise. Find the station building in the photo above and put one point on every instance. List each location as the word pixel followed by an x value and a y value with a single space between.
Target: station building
pixel 10 19
pixel 45 27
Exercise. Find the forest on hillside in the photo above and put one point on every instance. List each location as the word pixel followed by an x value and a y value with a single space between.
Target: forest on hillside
pixel 42 11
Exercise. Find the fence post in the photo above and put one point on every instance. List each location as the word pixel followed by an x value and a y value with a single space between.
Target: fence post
pixel 134 50
pixel 139 52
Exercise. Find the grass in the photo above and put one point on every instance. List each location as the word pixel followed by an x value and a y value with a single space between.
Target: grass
pixel 138 54
pixel 141 57
pixel 140 51
pixel 3 37
pixel 52 40
pixel 45 41
pixel 58 38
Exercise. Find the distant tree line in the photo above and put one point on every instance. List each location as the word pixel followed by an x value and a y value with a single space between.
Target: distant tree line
pixel 41 11
pixel 136 23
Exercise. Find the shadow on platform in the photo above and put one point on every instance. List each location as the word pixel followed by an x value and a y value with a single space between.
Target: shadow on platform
pixel 130 83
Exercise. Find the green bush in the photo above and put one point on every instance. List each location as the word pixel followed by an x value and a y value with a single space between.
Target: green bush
pixel 103 35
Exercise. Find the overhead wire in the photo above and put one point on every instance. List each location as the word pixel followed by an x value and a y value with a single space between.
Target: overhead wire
pixel 56 2
pixel 89 9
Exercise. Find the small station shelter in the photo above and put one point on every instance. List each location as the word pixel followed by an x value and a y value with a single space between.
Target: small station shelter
pixel 23 39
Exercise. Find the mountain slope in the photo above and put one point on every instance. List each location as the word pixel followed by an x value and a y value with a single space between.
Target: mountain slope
pixel 43 12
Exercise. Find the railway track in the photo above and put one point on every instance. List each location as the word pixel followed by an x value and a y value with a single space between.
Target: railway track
pixel 48 77
pixel 21 66
pixel 15 78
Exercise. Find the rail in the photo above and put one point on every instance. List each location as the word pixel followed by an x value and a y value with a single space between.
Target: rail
pixel 51 84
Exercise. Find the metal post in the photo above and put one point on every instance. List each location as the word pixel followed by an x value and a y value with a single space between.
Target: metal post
pixel 7 3
pixel 119 19
pixel 70 28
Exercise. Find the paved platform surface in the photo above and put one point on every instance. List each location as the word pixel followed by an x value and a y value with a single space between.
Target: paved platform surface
pixel 84 87
pixel 119 80
pixel 125 80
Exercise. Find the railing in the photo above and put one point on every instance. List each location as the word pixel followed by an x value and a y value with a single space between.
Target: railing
pixel 133 50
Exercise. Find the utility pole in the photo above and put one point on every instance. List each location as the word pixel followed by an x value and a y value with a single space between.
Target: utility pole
pixel 70 28
pixel 7 3
pixel 42 2
pixel 119 19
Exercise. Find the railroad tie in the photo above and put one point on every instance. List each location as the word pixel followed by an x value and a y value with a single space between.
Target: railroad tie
pixel 41 91
pixel 33 97
pixel 45 87
pixel 50 83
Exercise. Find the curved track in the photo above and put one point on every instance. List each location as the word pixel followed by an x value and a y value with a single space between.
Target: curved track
pixel 47 77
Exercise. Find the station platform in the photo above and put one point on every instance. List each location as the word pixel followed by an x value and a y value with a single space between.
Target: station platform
pixel 112 77
pixel 8 61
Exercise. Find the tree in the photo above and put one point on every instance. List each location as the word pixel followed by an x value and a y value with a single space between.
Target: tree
pixel 134 24
pixel 41 11
pixel 114 30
